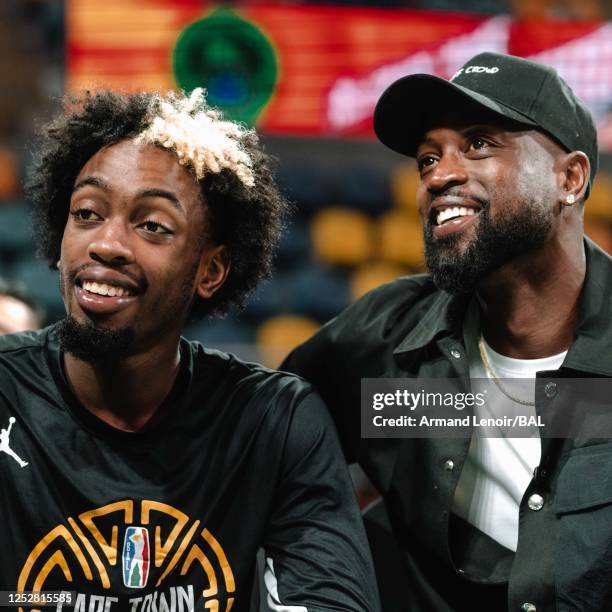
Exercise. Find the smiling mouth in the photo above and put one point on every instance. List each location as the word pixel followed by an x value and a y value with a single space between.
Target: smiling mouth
pixel 105 289
pixel 452 213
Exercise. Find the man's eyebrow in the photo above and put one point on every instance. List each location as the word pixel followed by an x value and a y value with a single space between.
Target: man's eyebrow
pixel 152 192
pixel 162 193
pixel 490 128
pixel 469 130
pixel 476 127
pixel 425 141
pixel 92 181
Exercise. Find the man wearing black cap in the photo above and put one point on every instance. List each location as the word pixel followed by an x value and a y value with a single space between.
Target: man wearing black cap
pixel 507 155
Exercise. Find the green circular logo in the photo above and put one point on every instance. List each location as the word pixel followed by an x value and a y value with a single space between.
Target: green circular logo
pixel 232 59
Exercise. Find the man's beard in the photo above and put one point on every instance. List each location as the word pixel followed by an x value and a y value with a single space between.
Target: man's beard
pixel 94 343
pixel 495 244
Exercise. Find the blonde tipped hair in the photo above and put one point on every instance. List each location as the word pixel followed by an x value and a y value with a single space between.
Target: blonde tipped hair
pixel 198 135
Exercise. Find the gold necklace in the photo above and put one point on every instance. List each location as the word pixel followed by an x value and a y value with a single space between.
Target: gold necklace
pixel 491 373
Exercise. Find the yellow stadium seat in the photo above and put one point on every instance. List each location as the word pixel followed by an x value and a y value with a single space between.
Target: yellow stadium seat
pixel 341 236
pixel 404 184
pixel 599 204
pixel 277 336
pixel 372 275
pixel 400 240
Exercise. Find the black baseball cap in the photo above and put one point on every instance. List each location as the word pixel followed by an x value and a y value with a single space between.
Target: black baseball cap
pixel 514 88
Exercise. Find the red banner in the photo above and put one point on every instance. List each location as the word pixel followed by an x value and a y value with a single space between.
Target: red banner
pixel 333 62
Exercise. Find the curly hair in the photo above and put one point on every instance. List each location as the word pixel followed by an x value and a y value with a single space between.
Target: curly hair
pixel 245 210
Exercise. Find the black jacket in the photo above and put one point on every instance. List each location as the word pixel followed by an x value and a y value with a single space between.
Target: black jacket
pixel 409 328
pixel 173 514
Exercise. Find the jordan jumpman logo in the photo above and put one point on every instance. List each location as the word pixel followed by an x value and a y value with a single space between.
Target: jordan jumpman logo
pixel 4 444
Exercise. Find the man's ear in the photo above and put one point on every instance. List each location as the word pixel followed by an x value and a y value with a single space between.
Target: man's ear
pixel 577 170
pixel 213 270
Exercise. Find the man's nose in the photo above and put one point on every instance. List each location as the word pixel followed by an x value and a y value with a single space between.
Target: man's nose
pixel 449 171
pixel 111 244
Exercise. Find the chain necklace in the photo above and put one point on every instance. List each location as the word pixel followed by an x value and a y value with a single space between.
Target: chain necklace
pixel 491 373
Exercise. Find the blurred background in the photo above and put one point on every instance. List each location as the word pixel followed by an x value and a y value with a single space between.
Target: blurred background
pixel 307 74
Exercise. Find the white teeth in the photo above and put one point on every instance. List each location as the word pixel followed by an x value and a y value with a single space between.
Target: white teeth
pixel 104 289
pixel 455 211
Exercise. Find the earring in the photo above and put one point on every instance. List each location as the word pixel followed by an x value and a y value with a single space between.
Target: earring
pixel 570 199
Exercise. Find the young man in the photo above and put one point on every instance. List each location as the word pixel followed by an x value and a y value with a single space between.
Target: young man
pixel 140 471
pixel 507 155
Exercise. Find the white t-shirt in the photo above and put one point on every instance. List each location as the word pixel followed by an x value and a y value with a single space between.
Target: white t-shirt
pixel 497 471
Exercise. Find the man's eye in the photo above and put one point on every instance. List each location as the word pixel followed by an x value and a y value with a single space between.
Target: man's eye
pixel 425 161
pixel 84 214
pixel 478 143
pixel 155 228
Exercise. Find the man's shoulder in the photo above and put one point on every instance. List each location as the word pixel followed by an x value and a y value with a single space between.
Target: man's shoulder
pixel 24 341
pixel 246 378
pixel 404 290
pixel 396 304
pixel 24 360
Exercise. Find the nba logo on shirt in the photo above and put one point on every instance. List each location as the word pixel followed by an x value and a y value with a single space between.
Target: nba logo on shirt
pixel 136 557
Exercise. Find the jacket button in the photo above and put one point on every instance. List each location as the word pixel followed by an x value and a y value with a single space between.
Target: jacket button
pixel 550 390
pixel 535 503
pixel 449 465
pixel 456 354
pixel 528 607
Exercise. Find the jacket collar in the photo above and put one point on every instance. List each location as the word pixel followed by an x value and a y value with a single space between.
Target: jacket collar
pixel 591 350
pixel 439 319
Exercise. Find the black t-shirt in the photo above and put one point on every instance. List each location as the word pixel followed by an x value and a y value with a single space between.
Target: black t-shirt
pixel 170 519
